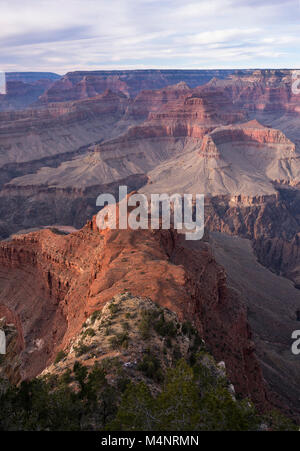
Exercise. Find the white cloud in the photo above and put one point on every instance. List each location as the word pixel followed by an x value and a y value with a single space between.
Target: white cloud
pixel 90 34
pixel 218 36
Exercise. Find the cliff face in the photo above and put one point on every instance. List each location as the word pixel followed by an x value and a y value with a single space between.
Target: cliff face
pixel 243 161
pixel 23 90
pixel 65 113
pixel 270 222
pixel 54 159
pixel 27 206
pixel 262 90
pixel 194 114
pixel 252 132
pixel 122 316
pixel 66 278
pixel 79 85
pixel 180 112
pixel 281 255
pixel 153 100
pixel 39 133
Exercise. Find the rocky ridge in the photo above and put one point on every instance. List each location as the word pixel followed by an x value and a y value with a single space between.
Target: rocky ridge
pixel 69 277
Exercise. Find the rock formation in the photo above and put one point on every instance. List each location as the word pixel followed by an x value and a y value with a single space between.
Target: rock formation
pixel 23 89
pixel 241 161
pixel 235 139
pixel 80 85
pixel 261 90
pixel 73 172
pixel 66 278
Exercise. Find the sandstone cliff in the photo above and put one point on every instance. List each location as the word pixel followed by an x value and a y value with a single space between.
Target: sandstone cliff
pixel 261 90
pixel 66 278
pixel 79 85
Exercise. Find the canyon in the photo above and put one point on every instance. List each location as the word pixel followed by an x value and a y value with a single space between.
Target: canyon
pixel 24 88
pixel 230 135
pixel 70 277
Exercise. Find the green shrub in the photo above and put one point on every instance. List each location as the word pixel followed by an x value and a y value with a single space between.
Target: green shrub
pixel 168 342
pixel 114 308
pixel 110 364
pixel 59 356
pixel 122 383
pixel 119 340
pixel 180 407
pixel 144 327
pixel 89 332
pixel 80 373
pixel 81 349
pixel 165 328
pixel 188 329
pixel 125 325
pixel 176 354
pixel 96 315
pixel 278 422
pixel 66 377
pixel 147 319
pixel 151 367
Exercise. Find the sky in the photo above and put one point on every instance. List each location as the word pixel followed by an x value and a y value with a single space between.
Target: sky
pixel 61 36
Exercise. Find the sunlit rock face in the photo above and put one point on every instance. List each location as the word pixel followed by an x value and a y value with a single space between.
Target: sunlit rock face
pixel 66 278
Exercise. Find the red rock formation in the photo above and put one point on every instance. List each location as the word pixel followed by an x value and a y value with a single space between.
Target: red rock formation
pixel 194 113
pixel 152 101
pixel 180 112
pixel 62 279
pixel 108 103
pixel 80 85
pixel 39 133
pixel 261 90
pixel 21 94
pixel 77 87
pixel 251 132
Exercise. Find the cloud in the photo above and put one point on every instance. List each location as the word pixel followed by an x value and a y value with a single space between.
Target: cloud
pixel 221 36
pixel 90 34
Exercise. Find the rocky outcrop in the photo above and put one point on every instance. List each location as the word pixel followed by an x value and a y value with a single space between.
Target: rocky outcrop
pixel 242 161
pixel 195 114
pixel 23 89
pixel 72 178
pixel 262 90
pixel 271 222
pixel 281 255
pixel 129 331
pixel 27 206
pixel 179 112
pixel 31 77
pixel 251 132
pixel 69 277
pixel 80 85
pixel 39 133
pixel 124 330
pixel 153 100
